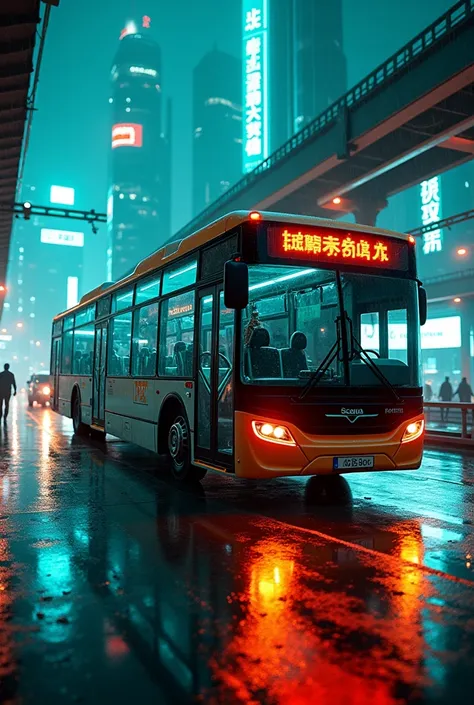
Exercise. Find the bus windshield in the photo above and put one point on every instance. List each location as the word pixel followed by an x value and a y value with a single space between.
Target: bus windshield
pixel 292 328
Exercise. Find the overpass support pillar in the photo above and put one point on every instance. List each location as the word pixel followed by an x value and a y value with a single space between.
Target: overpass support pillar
pixel 366 211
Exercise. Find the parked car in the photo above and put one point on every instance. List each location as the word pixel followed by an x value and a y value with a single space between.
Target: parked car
pixel 39 389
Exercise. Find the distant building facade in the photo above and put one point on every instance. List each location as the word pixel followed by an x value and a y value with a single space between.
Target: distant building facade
pixel 307 66
pixel 217 127
pixel 140 165
pixel 44 278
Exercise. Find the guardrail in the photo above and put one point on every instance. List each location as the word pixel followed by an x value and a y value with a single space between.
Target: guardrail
pixel 402 61
pixel 449 422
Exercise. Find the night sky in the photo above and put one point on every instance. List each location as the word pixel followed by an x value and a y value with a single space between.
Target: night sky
pixel 71 131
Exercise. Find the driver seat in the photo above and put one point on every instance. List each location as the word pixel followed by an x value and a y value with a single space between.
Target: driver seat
pixel 293 359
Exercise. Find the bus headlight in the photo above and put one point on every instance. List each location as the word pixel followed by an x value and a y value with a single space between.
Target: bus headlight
pixel 413 431
pixel 274 433
pixel 46 391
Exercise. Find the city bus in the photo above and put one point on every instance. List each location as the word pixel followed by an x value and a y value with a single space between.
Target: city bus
pixel 263 345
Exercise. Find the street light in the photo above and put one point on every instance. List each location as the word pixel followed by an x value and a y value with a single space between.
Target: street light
pixel 462 251
pixel 37 343
pixel 19 324
pixel 336 201
pixel 457 300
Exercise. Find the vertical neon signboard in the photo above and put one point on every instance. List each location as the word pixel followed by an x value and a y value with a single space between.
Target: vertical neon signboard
pixel 431 213
pixel 255 65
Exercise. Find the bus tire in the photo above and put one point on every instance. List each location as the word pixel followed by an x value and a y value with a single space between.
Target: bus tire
pixel 80 429
pixel 179 450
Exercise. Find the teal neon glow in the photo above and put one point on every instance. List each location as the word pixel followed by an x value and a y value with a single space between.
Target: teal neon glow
pixel 255 138
pixel 430 192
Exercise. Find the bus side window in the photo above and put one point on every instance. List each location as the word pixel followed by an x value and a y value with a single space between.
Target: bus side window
pixel 119 346
pixel 145 326
pixel 66 361
pixel 177 336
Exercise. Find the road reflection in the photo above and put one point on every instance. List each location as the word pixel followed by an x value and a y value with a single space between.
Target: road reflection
pixel 215 600
pixel 219 605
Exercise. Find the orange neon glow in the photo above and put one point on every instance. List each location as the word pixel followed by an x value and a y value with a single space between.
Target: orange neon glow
pixel 273 434
pixel 413 431
pixel 255 216
pixel 331 246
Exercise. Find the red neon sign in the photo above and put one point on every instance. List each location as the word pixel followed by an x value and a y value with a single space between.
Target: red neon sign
pixel 146 21
pixel 127 135
pixel 339 246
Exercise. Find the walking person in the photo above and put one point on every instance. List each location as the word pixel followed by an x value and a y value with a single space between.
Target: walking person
pixel 464 391
pixel 445 394
pixel 7 381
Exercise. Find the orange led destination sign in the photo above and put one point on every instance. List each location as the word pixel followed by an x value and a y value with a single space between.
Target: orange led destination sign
pixel 338 246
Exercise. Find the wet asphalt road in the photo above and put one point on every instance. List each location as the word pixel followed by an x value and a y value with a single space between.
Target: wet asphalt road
pixel 116 586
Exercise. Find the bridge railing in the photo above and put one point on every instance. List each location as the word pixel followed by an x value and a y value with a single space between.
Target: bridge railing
pixel 447 420
pixel 436 33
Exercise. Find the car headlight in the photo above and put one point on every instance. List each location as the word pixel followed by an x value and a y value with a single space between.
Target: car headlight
pixel 274 433
pixel 413 431
pixel 46 391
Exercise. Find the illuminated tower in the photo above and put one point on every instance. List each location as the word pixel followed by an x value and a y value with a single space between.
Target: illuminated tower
pixel 139 196
pixel 217 123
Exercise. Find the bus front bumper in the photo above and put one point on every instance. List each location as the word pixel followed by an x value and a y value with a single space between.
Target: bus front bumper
pixel 314 455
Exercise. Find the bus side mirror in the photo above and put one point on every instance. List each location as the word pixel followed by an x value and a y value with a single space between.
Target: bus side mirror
pixel 423 304
pixel 236 285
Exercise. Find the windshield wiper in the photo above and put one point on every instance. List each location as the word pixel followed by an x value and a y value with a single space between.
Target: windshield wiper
pixel 364 356
pixel 324 365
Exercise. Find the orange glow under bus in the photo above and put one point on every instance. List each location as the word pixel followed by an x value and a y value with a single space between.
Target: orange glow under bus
pixel 262 345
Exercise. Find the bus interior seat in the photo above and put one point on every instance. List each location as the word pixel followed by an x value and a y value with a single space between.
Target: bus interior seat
pixel 152 364
pixel 179 357
pixel 77 364
pixel 293 359
pixel 143 360
pixel 188 357
pixel 264 359
pixel 396 372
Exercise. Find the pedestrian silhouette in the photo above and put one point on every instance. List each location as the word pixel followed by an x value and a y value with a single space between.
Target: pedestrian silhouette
pixel 7 381
pixel 445 394
pixel 464 391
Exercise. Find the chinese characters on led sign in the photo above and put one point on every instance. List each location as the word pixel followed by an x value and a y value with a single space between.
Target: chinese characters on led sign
pixel 431 213
pixel 129 135
pixel 255 122
pixel 332 246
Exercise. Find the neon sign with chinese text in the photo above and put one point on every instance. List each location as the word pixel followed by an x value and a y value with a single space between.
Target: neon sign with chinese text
pixel 127 135
pixel 430 192
pixel 255 51
pixel 325 245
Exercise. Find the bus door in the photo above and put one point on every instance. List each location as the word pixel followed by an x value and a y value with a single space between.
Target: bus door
pixel 214 428
pixel 98 378
pixel 55 367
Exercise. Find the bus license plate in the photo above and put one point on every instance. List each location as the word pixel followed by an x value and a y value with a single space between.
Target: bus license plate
pixel 353 462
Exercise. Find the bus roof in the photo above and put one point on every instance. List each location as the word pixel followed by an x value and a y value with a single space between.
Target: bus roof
pixel 178 248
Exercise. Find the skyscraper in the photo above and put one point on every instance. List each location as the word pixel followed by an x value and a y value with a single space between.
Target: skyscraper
pixel 306 67
pixel 320 73
pixel 217 123
pixel 139 196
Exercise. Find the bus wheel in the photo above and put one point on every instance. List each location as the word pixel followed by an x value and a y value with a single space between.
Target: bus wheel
pixel 80 429
pixel 179 451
